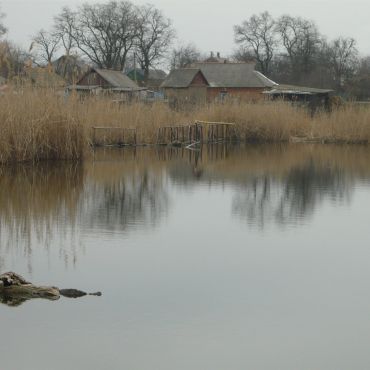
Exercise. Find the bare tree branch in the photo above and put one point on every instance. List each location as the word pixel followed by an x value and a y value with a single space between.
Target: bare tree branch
pixel 3 29
pixel 155 35
pixel 343 59
pixel 301 40
pixel 184 56
pixel 258 34
pixel 104 33
pixel 45 44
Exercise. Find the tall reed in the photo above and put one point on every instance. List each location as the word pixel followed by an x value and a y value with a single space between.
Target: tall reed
pixel 40 124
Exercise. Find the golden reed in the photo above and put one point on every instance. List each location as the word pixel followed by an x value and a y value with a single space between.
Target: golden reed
pixel 39 124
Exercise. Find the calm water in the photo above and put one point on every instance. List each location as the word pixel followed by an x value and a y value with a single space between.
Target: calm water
pixel 229 258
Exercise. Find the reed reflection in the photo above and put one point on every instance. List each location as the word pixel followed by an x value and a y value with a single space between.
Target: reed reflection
pixel 293 198
pixel 278 184
pixel 137 198
pixel 53 207
pixel 34 200
pixel 120 191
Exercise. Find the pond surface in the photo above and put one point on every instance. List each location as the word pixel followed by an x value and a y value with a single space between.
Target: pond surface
pixel 229 258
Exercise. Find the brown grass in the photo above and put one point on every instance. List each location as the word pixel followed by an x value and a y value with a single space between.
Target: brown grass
pixel 40 124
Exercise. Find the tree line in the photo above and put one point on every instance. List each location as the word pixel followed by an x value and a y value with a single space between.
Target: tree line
pixel 119 34
pixel 293 50
pixel 108 35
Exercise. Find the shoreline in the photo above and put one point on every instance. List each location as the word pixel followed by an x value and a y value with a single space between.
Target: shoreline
pixel 39 125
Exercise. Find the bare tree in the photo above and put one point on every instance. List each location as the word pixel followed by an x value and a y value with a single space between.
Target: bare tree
pixel 64 26
pixel 342 58
pixel 3 29
pixel 359 84
pixel 243 54
pixel 184 56
pixel 301 40
pixel 45 44
pixel 12 59
pixel 258 35
pixel 104 33
pixel 155 35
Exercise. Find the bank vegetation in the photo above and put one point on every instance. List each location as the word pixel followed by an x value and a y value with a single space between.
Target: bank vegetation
pixel 40 125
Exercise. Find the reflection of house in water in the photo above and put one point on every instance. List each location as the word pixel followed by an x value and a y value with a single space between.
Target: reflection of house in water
pixel 263 198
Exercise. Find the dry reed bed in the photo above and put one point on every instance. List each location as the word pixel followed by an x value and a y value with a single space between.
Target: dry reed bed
pixel 40 124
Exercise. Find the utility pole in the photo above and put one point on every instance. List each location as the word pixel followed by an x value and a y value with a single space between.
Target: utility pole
pixel 135 79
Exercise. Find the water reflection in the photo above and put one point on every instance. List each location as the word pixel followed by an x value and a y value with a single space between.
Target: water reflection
pixel 16 300
pixel 34 200
pixel 280 184
pixel 55 205
pixel 293 198
pixel 120 191
pixel 136 199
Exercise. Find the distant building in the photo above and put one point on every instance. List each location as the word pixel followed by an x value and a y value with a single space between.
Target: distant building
pixel 216 58
pixel 155 79
pixel 40 77
pixel 99 81
pixel 297 93
pixel 70 67
pixel 213 81
pixel 312 97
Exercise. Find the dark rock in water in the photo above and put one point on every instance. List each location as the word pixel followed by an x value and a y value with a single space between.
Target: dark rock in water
pixel 75 293
pixel 98 294
pixel 72 293
pixel 15 290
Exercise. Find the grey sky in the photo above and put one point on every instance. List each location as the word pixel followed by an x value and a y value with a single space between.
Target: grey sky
pixel 209 23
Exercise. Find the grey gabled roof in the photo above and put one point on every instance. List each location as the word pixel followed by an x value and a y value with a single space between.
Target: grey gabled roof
pixel 154 74
pixel 234 75
pixel 180 77
pixel 220 75
pixel 157 74
pixel 116 78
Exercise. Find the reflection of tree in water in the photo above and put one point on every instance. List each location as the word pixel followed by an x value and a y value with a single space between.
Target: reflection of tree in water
pixel 34 200
pixel 138 198
pixel 50 206
pixel 288 200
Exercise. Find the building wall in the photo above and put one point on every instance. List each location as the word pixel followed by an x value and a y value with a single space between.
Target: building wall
pixel 241 93
pixel 199 80
pixel 202 94
pixel 93 79
pixel 191 95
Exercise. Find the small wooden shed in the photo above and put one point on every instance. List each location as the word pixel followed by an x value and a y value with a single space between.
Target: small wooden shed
pixel 105 81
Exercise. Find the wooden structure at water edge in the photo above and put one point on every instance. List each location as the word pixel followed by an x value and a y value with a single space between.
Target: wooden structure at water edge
pixel 200 132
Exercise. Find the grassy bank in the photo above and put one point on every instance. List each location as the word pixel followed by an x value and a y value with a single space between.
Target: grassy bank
pixel 38 124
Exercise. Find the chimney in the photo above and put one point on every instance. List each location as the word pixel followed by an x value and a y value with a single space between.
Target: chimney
pixel 211 54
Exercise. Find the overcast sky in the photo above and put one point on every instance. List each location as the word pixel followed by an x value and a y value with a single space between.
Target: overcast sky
pixel 208 23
